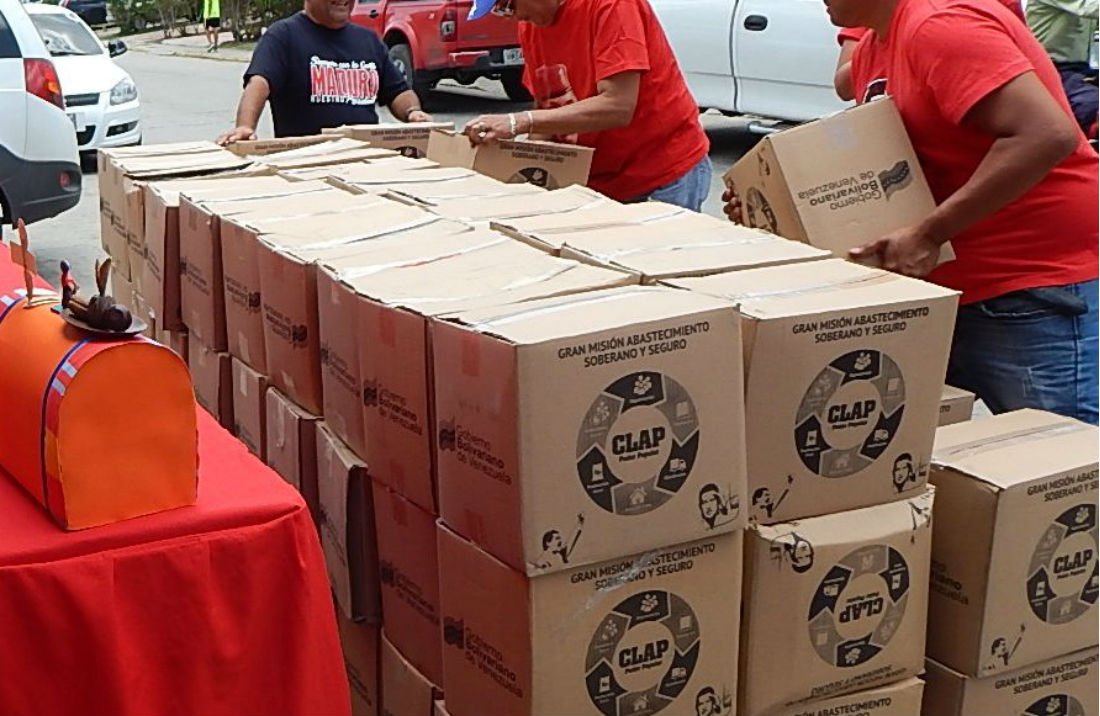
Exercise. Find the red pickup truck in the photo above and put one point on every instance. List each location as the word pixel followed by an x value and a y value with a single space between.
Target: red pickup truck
pixel 431 40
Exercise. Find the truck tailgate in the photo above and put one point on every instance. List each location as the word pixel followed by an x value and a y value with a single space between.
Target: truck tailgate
pixel 488 32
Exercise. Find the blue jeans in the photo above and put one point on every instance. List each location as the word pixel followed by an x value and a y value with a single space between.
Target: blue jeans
pixel 1035 348
pixel 689 191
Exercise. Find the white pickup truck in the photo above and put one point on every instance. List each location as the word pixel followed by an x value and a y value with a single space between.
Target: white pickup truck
pixel 767 58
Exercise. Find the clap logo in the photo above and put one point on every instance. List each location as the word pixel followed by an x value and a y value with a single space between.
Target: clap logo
pixel 1063 572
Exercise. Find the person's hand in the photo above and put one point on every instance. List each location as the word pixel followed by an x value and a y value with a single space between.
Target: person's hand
pixel 732 206
pixel 910 251
pixel 418 115
pixel 488 128
pixel 237 134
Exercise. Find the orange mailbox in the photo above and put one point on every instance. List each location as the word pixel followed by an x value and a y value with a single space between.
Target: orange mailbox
pixel 97 430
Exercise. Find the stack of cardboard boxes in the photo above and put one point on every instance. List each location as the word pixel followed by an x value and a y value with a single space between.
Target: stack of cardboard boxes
pixel 1013 618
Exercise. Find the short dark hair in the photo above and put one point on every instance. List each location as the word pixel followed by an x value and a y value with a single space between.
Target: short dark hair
pixel 758 493
pixel 548 537
pixel 709 487
pixel 706 691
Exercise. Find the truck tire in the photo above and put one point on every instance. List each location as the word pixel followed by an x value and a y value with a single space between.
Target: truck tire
pixel 401 55
pixel 514 87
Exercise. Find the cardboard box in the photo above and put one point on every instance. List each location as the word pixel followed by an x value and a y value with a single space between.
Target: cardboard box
pixel 140 308
pixel 176 340
pixel 305 152
pixel 837 183
pixel 956 405
pixel 405 691
pixel 122 290
pixel 213 377
pixel 1063 685
pixel 382 233
pixel 367 171
pixel 899 699
pixel 409 140
pixel 249 407
pixel 545 164
pixel 347 527
pixel 636 379
pixel 510 206
pixel 291 445
pixel 263 147
pixel 377 376
pixel 409 572
pixel 1014 578
pixel 648 633
pixel 840 601
pixel 239 235
pixel 428 187
pixel 843 370
pixel 361 643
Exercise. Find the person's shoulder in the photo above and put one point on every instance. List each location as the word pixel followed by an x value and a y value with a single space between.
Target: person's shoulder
pixel 286 26
pixel 361 33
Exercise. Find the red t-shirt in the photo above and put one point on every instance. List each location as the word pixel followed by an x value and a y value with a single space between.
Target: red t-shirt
pixel 596 39
pixel 941 58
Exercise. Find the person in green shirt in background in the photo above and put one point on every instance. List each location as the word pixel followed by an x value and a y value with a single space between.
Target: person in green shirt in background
pixel 212 19
pixel 1067 30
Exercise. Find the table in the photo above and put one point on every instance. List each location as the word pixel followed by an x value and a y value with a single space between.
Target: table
pixel 218 608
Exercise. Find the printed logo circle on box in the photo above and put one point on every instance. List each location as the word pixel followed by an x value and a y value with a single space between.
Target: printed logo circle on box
pixel 850 413
pixel 638 443
pixel 859 605
pixel 642 654
pixel 534 175
pixel 1062 582
pixel 1056 705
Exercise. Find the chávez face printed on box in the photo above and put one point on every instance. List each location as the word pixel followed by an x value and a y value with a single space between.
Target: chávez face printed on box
pixel 642 654
pixel 1063 573
pixel 717 509
pixel 1056 705
pixel 708 703
pixel 764 504
pixel 859 605
pixel 850 413
pixel 1001 651
pixel 638 443
pixel 557 548
pixel 904 472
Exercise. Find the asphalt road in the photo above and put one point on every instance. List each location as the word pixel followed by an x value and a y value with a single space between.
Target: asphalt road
pixel 184 98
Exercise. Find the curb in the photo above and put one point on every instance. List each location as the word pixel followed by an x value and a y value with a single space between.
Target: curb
pixel 158 49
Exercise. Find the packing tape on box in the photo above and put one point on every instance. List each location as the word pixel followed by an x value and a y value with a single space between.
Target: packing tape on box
pixel 357 273
pixel 747 241
pixel 569 302
pixel 1017 437
pixel 882 277
pixel 354 238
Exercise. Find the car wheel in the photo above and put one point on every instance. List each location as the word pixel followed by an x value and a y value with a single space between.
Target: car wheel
pixel 514 87
pixel 401 56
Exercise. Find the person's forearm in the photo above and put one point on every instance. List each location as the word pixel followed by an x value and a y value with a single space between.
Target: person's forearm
pixel 1009 170
pixel 594 114
pixel 252 103
pixel 404 103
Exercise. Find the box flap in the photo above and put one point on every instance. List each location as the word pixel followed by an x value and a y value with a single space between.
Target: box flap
pixel 313 196
pixel 1014 448
pixel 170 190
pixel 535 202
pixel 553 229
pixel 373 249
pixel 402 170
pixel 814 287
pixel 151 166
pixel 562 317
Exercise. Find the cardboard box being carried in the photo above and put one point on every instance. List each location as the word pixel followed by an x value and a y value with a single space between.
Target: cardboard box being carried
pixel 840 601
pixel 347 528
pixel 361 643
pixel 899 699
pixel 377 375
pixel 1014 577
pixel 291 445
pixel 636 379
pixel 1063 686
pixel 844 365
pixel 408 569
pixel 212 374
pixel 545 164
pixel 648 633
pixel 956 405
pixel 309 153
pixel 409 140
pixel 249 407
pixel 405 691
pixel 837 183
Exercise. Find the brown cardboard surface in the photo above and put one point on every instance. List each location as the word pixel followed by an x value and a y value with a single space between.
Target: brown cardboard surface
pixel 249 407
pixel 409 571
pixel 545 164
pixel 327 152
pixel 213 377
pixel 347 527
pixel 409 140
pixel 956 405
pixel 361 643
pixel 377 377
pixel 291 445
pixel 844 366
pixel 122 290
pixel 1064 685
pixel 899 699
pixel 405 691
pixel 260 147
pixel 840 601
pixel 647 633
pixel 377 176
pixel 140 308
pixel 176 340
pixel 634 379
pixel 1014 576
pixel 549 232
pixel 510 206
pixel 240 262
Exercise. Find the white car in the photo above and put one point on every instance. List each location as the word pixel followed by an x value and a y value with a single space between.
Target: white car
pixel 100 97
pixel 39 165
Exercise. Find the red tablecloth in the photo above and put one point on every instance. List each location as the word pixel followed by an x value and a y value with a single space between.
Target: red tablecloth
pixel 219 608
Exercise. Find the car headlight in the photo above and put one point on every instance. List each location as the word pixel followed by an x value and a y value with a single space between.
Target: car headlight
pixel 124 91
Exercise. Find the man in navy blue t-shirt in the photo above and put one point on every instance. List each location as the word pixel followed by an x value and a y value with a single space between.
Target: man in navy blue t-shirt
pixel 318 70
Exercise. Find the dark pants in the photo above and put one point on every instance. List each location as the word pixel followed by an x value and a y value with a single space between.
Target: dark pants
pixel 1083 96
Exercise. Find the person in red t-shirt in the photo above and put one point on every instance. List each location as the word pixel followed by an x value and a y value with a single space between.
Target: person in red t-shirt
pixel 603 75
